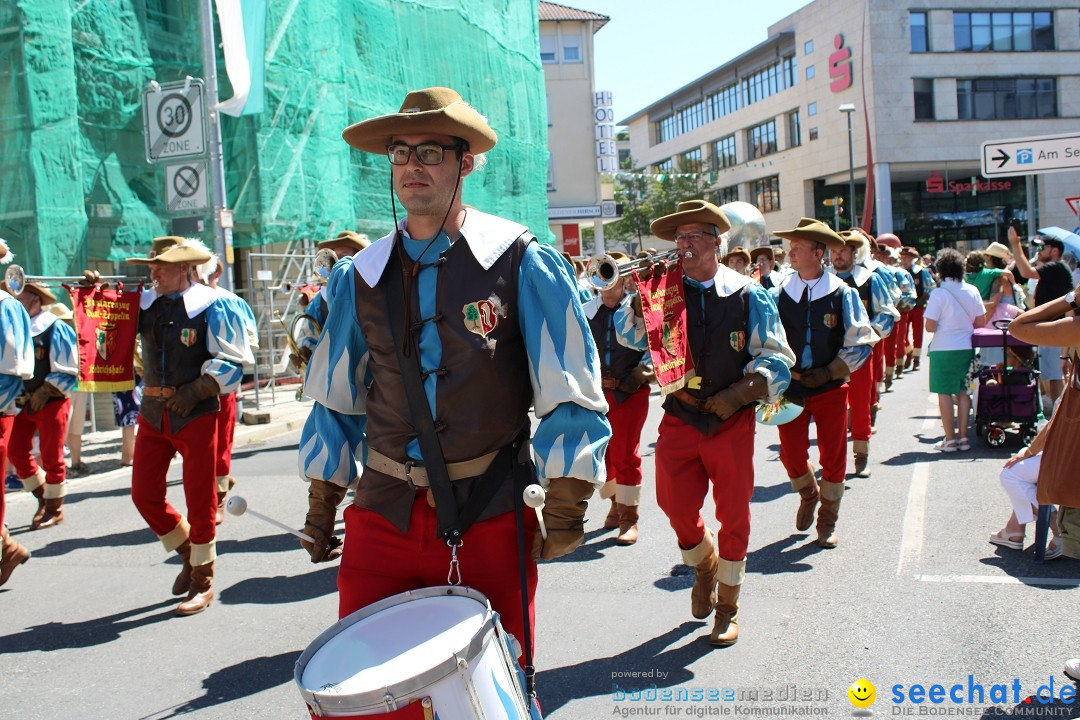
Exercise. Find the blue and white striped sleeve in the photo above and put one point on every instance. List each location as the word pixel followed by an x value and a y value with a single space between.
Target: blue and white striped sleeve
pixel 573 432
pixel 771 356
pixel 16 353
pixel 859 337
pixel 63 359
pixel 304 331
pixel 251 326
pixel 629 328
pixel 227 341
pixel 906 284
pixel 885 313
pixel 333 439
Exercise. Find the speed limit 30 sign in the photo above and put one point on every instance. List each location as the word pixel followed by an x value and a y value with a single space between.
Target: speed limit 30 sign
pixel 174 121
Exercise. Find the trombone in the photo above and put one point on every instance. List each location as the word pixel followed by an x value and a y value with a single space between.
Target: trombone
pixel 294 347
pixel 603 271
pixel 16 279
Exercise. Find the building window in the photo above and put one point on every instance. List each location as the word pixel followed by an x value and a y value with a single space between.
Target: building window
pixel 1006 98
pixel 1003 31
pixel 920 36
pixel 812 132
pixel 924 98
pixel 690 161
pixel 551 174
pixel 723 154
pixel 794 129
pixel 762 139
pixel 663 166
pixel 726 194
pixel 810 72
pixel 571 49
pixel 765 193
pixel 811 109
pixel 547 49
pixel 808 47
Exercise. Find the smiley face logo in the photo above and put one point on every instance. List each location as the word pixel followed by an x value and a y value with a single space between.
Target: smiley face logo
pixel 862 693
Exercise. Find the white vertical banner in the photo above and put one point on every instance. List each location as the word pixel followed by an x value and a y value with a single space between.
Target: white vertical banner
pixel 231 21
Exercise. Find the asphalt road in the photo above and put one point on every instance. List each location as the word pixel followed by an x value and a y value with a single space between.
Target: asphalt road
pixel 914 595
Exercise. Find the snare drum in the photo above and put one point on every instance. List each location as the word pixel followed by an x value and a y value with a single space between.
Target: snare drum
pixel 435 652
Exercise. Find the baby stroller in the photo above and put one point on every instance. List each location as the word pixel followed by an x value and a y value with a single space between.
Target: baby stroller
pixel 1008 393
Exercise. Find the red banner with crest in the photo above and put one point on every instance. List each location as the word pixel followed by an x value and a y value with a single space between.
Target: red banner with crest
pixel 107 325
pixel 663 305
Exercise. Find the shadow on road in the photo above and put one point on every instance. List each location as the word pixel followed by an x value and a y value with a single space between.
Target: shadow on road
pixel 142 536
pixel 768 493
pixel 263 451
pixel 782 556
pixel 588 550
pixel 88 633
pixel 281 589
pixel 241 680
pixel 593 678
pixel 1022 566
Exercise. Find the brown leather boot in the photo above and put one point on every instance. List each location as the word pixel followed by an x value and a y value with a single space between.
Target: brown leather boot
pixel 201 593
pixel 889 370
pixel 219 516
pixel 182 583
pixel 54 514
pixel 915 363
pixel 612 519
pixel 861 450
pixel 807 487
pixel 39 493
pixel 828 513
pixel 12 555
pixel 703 558
pixel 628 518
pixel 726 621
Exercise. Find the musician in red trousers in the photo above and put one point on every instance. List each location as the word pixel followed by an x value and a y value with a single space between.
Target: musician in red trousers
pixel 740 357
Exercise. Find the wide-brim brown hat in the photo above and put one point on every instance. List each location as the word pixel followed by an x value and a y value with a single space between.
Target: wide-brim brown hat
pixel 855 239
pixel 690 212
pixel 47 298
pixel 814 231
pixel 355 240
pixel 61 311
pixel 764 250
pixel 737 251
pixel 620 258
pixel 172 249
pixel 909 251
pixel 437 110
pixel 997 250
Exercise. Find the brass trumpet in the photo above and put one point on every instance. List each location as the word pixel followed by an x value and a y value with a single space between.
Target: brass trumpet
pixel 603 271
pixel 294 347
pixel 16 280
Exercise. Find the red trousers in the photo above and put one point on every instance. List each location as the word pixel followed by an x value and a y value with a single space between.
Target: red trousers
pixel 877 359
pixel 226 428
pixel 6 421
pixel 685 462
pixel 860 398
pixel 50 423
pixel 196 442
pixel 917 326
pixel 380 561
pixel 623 460
pixel 900 332
pixel 829 411
pixel 890 344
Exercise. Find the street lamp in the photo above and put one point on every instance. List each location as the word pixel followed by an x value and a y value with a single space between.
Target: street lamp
pixel 848 109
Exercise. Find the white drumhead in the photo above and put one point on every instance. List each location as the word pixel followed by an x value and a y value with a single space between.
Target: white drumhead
pixel 394 644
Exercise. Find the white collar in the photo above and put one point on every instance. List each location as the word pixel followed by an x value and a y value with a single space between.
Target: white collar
pixel 41 322
pixel 197 297
pixel 858 273
pixel 726 281
pixel 819 288
pixel 486 235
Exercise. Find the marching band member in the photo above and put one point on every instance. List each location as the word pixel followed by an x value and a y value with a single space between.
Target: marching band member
pixel 619 333
pixel 765 259
pixel 193 349
pixel 904 299
pixel 16 366
pixel 493 321
pixel 923 284
pixel 46 408
pixel 208 274
pixel 830 333
pixel 738 259
pixel 740 356
pixel 868 260
pixel 877 302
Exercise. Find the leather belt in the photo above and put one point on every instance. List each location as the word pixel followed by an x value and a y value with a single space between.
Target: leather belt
pixel 690 401
pixel 159 391
pixel 416 475
pixel 610 383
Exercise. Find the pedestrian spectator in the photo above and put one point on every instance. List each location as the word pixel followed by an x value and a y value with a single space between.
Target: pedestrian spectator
pixel 1018 479
pixel 1054 280
pixel 978 274
pixel 953 312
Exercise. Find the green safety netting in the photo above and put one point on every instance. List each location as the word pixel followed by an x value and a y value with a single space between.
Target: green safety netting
pixel 74 182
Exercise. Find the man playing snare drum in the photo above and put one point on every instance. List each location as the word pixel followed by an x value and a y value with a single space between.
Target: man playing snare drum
pixel 490 324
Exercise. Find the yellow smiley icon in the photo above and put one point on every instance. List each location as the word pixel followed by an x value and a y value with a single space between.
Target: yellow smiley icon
pixel 862 693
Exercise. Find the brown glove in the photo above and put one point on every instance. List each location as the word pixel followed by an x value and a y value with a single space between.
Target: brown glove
pixel 323 499
pixel 564 516
pixel 42 395
pixel 90 278
pixel 299 359
pixel 638 376
pixel 816 377
pixel 188 396
pixel 750 388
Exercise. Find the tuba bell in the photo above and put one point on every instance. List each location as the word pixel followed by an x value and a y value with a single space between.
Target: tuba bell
pixel 747 225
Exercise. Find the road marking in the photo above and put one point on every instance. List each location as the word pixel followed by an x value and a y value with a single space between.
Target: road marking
pixel 911 543
pixel 1000 580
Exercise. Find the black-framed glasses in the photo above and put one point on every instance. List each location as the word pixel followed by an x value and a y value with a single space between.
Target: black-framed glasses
pixel 693 235
pixel 426 153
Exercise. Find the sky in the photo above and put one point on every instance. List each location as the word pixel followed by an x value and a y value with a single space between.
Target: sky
pixel 650 48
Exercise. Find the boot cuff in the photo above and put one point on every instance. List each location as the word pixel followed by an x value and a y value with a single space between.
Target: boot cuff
pixel 628 494
pixel 803 481
pixel 34 481
pixel 607 490
pixel 223 484
pixel 204 553
pixel 177 536
pixel 831 490
pixel 55 491
pixel 695 555
pixel 731 572
pixel 860 446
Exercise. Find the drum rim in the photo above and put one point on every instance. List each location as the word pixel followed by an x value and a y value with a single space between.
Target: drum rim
pixel 376 699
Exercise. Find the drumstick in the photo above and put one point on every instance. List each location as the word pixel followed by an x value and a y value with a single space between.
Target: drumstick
pixel 534 497
pixel 237 505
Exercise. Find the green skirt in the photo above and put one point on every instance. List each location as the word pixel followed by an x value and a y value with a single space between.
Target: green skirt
pixel 949 370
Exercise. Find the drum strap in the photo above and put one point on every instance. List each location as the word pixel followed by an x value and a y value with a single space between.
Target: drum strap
pixel 452 523
pixel 526 642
